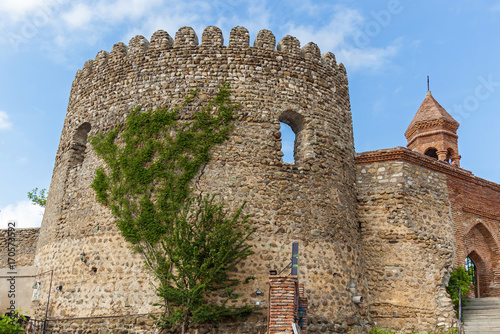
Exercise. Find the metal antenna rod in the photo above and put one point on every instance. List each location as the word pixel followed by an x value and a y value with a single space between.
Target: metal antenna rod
pixel 428 83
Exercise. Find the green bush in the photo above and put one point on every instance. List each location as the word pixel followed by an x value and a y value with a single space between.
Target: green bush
pixel 378 330
pixel 459 278
pixel 10 325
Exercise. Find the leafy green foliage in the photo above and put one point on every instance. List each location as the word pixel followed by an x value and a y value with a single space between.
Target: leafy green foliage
pixel 10 325
pixel 459 278
pixel 152 160
pixel 204 246
pixel 378 330
pixel 38 199
pixel 189 245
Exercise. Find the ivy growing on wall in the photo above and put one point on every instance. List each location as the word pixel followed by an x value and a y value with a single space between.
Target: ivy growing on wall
pixel 189 244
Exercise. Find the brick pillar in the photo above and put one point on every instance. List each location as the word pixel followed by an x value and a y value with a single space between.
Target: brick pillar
pixel 442 155
pixel 455 161
pixel 283 303
pixel 303 303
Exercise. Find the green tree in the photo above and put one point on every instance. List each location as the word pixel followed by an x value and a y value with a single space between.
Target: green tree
pixel 459 278
pixel 203 247
pixel 38 199
pixel 189 244
pixel 10 325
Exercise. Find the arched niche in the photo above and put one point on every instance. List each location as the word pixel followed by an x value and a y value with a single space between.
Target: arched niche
pixel 79 144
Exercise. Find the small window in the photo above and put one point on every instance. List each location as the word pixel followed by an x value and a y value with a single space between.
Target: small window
pixel 287 142
pixel 294 121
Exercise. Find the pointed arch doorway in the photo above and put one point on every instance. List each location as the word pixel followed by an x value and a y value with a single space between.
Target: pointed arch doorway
pixel 482 249
pixel 471 268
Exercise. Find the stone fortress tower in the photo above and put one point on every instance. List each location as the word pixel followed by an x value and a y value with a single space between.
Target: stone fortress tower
pixel 388 225
pixel 311 201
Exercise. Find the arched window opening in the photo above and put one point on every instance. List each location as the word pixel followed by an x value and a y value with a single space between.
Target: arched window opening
pixel 449 154
pixel 291 126
pixel 287 142
pixel 431 152
pixel 453 157
pixel 79 145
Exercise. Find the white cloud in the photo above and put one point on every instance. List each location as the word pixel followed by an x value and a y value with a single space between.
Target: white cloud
pixel 25 213
pixel 78 16
pixel 346 36
pixel 367 58
pixel 17 9
pixel 129 10
pixel 343 23
pixel 71 26
pixel 4 121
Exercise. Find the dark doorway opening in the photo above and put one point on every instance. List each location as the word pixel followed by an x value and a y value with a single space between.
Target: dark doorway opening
pixel 470 267
pixel 431 152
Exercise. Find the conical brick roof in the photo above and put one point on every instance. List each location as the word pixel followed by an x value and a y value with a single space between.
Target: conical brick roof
pixel 431 110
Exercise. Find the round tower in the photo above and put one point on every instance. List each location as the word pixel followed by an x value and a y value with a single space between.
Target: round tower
pixel 433 132
pixel 311 201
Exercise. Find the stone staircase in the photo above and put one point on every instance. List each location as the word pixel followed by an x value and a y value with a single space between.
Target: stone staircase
pixel 482 316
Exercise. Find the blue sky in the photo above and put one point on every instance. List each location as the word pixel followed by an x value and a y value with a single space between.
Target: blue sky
pixel 388 48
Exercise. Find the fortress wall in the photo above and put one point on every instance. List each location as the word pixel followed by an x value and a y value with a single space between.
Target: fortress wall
pixel 404 216
pixel 17 254
pixel 25 240
pixel 311 201
pixel 144 324
pixel 476 216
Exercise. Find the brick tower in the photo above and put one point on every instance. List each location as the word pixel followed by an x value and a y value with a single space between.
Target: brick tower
pixel 433 132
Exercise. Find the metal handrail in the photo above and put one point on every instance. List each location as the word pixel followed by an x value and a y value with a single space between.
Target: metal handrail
pixel 32 326
pixel 459 310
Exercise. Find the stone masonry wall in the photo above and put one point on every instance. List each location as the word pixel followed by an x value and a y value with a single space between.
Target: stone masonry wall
pixel 254 324
pixel 311 201
pixel 25 241
pixel 406 227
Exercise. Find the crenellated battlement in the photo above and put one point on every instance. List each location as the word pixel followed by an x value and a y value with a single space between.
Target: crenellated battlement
pixel 162 70
pixel 212 37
